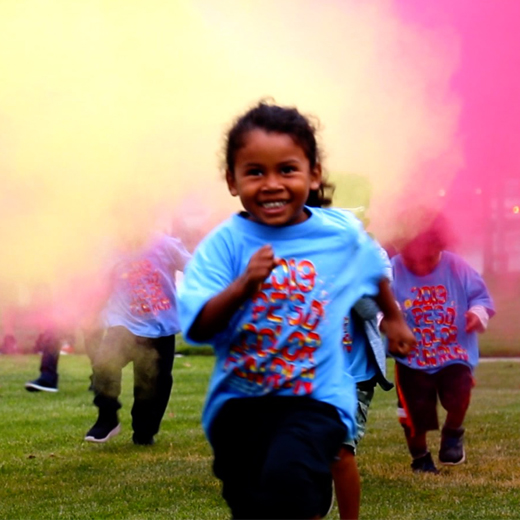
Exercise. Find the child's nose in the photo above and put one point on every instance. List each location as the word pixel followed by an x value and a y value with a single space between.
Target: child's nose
pixel 272 181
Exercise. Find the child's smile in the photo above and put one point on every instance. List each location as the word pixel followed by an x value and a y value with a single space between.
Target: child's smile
pixel 272 176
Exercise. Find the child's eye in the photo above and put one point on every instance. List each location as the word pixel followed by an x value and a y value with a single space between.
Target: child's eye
pixel 255 172
pixel 288 169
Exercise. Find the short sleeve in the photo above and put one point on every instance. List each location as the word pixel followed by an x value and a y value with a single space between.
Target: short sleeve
pixel 177 253
pixel 386 262
pixel 477 291
pixel 208 273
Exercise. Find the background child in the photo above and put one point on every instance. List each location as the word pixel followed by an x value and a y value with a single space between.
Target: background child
pixel 49 343
pixel 366 359
pixel 141 320
pixel 269 289
pixel 445 303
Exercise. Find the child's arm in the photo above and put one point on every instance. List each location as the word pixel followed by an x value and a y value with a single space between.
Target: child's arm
pixel 218 311
pixel 400 337
pixel 481 306
pixel 477 319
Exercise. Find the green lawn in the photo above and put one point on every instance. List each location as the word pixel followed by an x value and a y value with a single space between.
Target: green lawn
pixel 47 471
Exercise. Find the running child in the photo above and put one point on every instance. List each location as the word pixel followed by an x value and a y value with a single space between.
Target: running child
pixel 365 352
pixel 446 303
pixel 141 322
pixel 269 289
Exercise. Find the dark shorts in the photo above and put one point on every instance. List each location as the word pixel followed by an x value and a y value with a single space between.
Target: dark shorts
pixel 273 455
pixel 417 393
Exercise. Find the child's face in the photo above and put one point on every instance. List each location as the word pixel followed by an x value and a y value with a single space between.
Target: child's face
pixel 421 256
pixel 273 177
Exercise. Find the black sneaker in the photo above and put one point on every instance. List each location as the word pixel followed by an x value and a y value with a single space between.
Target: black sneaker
pixel 143 440
pixel 424 464
pixel 103 430
pixel 452 451
pixel 40 385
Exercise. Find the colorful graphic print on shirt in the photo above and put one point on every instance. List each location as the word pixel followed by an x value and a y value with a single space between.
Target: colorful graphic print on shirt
pixel 146 293
pixel 346 339
pixel 433 319
pixel 276 346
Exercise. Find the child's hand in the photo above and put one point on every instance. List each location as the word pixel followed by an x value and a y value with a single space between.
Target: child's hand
pixel 400 338
pixel 473 323
pixel 259 268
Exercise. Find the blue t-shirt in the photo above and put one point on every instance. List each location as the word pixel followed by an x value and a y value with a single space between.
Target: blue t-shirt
pixel 142 297
pixel 286 340
pixel 355 344
pixel 364 348
pixel 434 306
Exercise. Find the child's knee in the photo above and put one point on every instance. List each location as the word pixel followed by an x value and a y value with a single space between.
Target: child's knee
pixel 456 404
pixel 344 460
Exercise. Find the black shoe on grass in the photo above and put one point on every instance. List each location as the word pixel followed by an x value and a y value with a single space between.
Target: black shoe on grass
pixel 143 440
pixel 40 385
pixel 424 464
pixel 452 451
pixel 103 430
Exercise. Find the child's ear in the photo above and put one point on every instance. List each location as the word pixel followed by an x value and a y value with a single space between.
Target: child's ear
pixel 316 177
pixel 232 187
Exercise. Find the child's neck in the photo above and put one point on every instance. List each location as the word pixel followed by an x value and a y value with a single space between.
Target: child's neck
pixel 246 215
pixel 427 270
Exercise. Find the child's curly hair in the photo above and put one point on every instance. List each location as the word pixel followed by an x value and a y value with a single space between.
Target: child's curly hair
pixel 284 120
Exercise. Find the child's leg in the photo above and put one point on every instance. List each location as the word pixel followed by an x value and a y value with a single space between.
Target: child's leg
pixel 153 380
pixel 239 436
pixel 111 357
pixel 296 478
pixel 455 384
pixel 345 472
pixel 92 340
pixel 50 357
pixel 113 354
pixel 417 410
pixel 347 484
pixel 49 343
pixel 273 455
pixel 416 442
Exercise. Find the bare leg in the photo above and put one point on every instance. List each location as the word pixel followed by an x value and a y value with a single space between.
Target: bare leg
pixel 347 484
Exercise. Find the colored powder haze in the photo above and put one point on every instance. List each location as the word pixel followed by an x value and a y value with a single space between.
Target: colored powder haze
pixel 112 115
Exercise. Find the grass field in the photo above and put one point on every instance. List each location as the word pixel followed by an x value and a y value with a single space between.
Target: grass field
pixel 48 472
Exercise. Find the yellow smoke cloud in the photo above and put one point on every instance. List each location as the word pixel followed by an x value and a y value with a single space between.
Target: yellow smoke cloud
pixel 112 113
